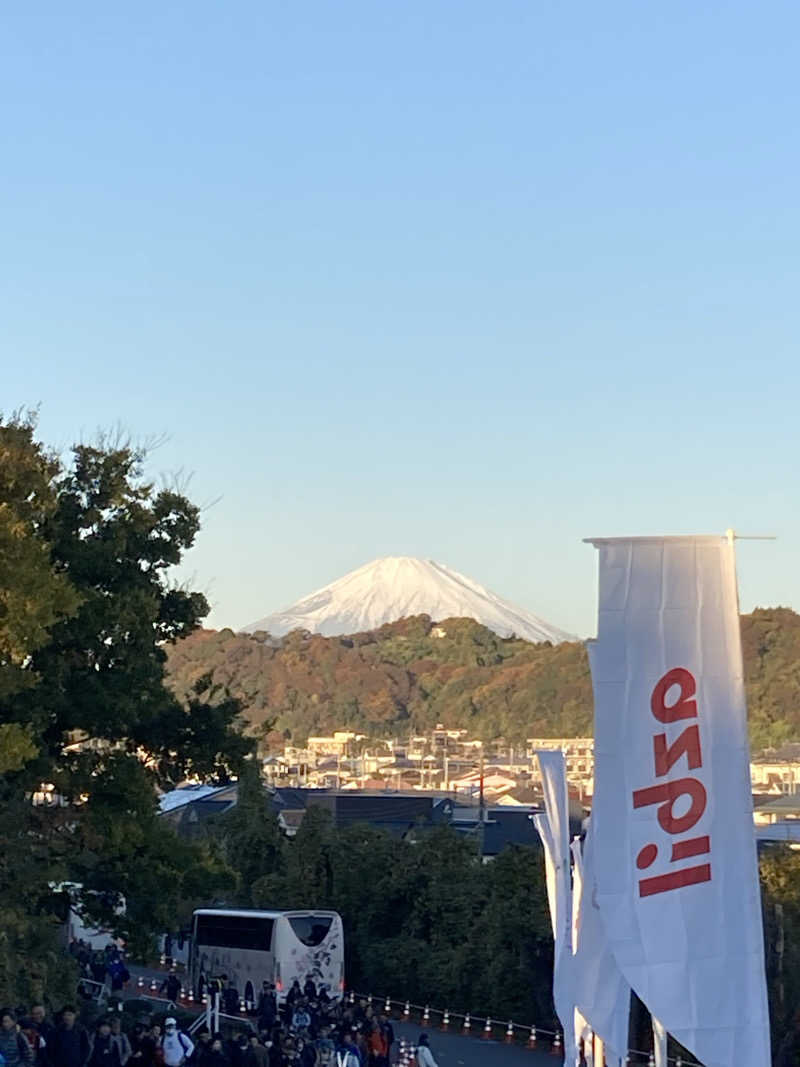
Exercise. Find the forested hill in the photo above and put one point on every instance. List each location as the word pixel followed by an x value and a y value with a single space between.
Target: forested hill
pixel 410 675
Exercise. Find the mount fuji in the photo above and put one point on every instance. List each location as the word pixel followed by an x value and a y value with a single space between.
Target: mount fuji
pixel 398 586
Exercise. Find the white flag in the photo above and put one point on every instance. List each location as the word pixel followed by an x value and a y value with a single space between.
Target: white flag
pixel 583 1032
pixel 554 831
pixel 602 994
pixel 675 858
pixel 659 1043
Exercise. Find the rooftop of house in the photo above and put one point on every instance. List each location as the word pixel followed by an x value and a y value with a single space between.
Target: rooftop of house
pixel 188 794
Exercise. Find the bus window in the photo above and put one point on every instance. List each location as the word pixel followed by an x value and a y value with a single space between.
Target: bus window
pixel 234 931
pixel 311 929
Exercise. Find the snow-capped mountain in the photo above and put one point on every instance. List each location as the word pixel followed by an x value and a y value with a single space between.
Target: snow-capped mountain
pixel 396 587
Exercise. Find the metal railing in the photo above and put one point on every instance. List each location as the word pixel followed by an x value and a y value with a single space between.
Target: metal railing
pixel 488 1028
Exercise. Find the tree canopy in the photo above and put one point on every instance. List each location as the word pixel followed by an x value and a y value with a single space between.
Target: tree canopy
pixel 87 610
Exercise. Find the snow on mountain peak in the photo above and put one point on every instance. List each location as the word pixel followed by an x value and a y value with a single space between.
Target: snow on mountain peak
pixel 396 587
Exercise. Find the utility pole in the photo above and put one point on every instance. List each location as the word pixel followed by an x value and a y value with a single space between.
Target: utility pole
pixel 481 813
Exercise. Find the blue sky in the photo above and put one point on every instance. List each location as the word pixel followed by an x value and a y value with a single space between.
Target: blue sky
pixel 470 281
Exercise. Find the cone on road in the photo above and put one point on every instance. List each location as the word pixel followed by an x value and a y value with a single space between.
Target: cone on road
pixel 426 1015
pixel 407 1011
pixel 153 986
pixel 532 1038
pixel 467 1023
pixel 651 1061
pixel 446 1019
pixel 140 982
pixel 510 1033
pixel 387 1009
pixel 556 1049
pixel 487 1030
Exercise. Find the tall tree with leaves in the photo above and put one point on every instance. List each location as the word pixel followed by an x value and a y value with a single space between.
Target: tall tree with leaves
pixel 89 694
pixel 253 844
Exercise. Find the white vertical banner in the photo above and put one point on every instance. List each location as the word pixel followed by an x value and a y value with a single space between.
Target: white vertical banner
pixel 602 994
pixel 659 1043
pixel 554 831
pixel 675 858
pixel 583 1031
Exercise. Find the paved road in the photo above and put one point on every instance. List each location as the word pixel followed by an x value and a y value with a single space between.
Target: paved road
pixel 454 1050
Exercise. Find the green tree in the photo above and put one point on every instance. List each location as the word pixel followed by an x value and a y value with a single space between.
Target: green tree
pixel 34 590
pixel 88 698
pixel 308 875
pixel 251 839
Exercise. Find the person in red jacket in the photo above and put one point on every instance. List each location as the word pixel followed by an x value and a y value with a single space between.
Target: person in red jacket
pixel 378 1047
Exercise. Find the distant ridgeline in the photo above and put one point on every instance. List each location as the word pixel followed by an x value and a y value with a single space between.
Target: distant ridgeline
pixel 409 675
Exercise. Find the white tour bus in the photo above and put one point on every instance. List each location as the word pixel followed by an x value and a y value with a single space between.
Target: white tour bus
pixel 252 947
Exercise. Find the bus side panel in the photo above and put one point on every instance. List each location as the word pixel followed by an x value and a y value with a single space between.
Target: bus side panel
pixel 324 963
pixel 242 966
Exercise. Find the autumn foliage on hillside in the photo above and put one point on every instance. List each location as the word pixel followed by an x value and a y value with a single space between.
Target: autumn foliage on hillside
pixel 409 675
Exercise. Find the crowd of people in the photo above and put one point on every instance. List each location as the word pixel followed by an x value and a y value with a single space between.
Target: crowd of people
pixel 101 966
pixel 308 1029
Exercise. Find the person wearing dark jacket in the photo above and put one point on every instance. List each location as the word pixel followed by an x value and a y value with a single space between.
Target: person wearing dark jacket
pixel 215 1056
pixel 105 1052
pixel 230 998
pixel 14 1047
pixel 39 1031
pixel 71 1046
pixel 267 1007
pixel 256 1055
pixel 172 987
pixel 295 993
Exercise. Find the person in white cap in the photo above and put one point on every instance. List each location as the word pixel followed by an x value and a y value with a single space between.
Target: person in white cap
pixel 176 1046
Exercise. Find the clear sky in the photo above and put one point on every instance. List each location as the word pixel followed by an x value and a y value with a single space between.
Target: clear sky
pixel 457 279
